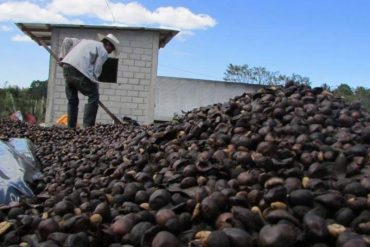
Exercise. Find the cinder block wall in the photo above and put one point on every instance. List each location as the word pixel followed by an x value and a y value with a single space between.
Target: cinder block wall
pixel 174 94
pixel 132 95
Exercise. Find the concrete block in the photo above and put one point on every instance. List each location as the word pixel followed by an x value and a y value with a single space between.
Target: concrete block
pixel 107 85
pixel 104 85
pixel 59 75
pixel 83 98
pixel 148 44
pixel 114 108
pixel 131 105
pixel 59 82
pixel 59 101
pixel 120 92
pixel 137 112
pixel 144 94
pixel 56 108
pixel 60 88
pixel 142 106
pixel 148 52
pixel 123 67
pixel 62 109
pixel 146 70
pixel 129 62
pixel 126 99
pixel 125 86
pixel 125 111
pixel 105 119
pixel 109 92
pixel 128 74
pixel 146 57
pixel 132 93
pixel 145 82
pixel 57 114
pixel 140 76
pixel 134 56
pixel 137 100
pixel 142 43
pixel 133 81
pixel 123 55
pixel 139 63
pixel 138 50
pixel 138 41
pixel 122 80
pixel 115 98
pixel 134 69
pixel 126 49
pixel 138 87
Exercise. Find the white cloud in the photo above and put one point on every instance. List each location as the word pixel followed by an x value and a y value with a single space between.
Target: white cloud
pixel 184 35
pixel 181 53
pixel 182 18
pixel 21 38
pixel 79 7
pixel 127 14
pixel 26 11
pixel 5 28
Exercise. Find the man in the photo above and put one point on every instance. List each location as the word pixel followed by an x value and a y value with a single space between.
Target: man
pixel 82 62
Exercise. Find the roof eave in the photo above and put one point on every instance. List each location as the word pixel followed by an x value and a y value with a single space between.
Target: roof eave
pixel 43 31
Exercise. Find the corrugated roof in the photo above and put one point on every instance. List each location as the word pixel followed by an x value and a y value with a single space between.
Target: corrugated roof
pixel 43 31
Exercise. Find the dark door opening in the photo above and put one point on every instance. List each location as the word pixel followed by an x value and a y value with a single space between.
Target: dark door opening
pixel 109 71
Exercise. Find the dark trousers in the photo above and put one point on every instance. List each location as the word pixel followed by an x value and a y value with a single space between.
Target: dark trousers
pixel 77 82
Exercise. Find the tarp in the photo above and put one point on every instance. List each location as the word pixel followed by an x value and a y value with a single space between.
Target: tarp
pixel 63 120
pixel 18 165
pixel 26 117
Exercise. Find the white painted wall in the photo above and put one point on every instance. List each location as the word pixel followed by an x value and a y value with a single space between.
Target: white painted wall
pixel 174 94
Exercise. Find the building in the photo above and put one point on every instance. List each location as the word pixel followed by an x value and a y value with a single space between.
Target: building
pixel 130 84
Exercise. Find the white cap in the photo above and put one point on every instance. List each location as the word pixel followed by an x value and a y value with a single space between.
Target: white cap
pixel 112 39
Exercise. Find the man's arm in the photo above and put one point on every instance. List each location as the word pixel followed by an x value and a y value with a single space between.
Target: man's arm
pixel 67 45
pixel 102 57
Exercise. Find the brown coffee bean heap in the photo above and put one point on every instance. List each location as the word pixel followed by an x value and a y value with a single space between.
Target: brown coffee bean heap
pixel 281 167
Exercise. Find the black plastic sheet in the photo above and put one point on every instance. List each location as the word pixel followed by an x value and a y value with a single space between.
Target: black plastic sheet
pixel 18 166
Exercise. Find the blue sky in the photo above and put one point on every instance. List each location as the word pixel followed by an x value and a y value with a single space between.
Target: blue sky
pixel 325 40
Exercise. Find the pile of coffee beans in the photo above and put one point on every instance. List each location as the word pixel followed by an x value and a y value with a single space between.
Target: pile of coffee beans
pixel 285 166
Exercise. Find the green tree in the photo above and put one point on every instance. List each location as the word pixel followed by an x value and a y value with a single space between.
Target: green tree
pixel 326 87
pixel 363 95
pixel 259 75
pixel 238 73
pixel 360 94
pixel 38 89
pixel 27 100
pixel 344 90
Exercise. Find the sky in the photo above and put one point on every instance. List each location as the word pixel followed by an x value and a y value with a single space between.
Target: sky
pixel 325 40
